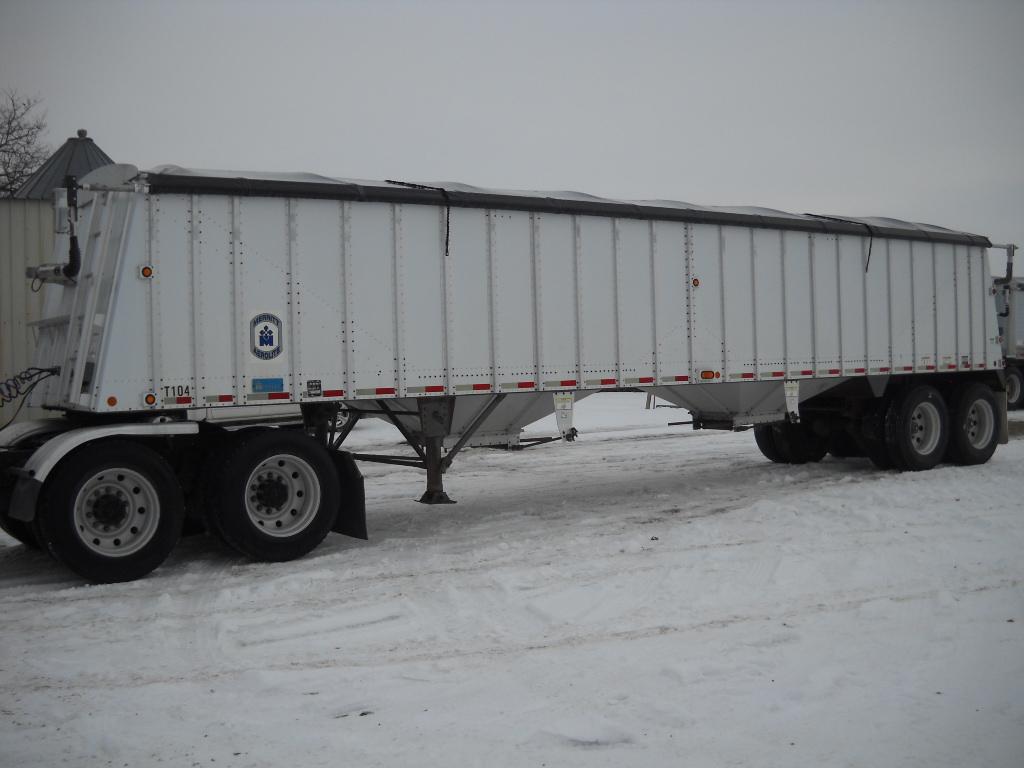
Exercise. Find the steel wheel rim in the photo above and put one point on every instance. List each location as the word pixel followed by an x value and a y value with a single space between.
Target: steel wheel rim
pixel 1013 388
pixel 925 428
pixel 117 512
pixel 282 495
pixel 980 423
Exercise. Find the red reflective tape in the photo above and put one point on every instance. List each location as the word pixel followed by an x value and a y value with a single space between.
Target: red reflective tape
pixel 525 385
pixel 278 396
pixel 384 391
pixel 929 367
pixel 607 381
pixel 225 398
pixel 980 365
pixel 567 383
pixel 908 367
pixel 778 374
pixel 334 393
pixel 951 366
pixel 806 373
pixel 434 388
pixel 183 400
pixel 967 365
pixel 834 371
pixel 746 375
pixel 479 387
pixel 859 370
pixel 646 379
pixel 682 378
pixel 883 370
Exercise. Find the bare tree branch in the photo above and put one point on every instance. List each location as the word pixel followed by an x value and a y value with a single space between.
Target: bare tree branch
pixel 22 151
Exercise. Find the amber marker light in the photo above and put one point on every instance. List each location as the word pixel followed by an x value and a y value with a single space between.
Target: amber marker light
pixel 707 375
pixel 146 271
pixel 150 398
pixel 111 401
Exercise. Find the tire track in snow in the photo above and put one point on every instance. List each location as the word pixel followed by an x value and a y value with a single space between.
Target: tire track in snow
pixel 394 657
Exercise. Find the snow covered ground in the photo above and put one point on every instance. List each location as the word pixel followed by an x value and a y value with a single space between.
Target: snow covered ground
pixel 648 596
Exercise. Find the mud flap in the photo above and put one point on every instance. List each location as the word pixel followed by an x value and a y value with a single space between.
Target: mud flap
pixel 23 498
pixel 352 512
pixel 1002 418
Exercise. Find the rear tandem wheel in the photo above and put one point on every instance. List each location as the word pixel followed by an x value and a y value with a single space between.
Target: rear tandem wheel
pixel 973 425
pixel 274 496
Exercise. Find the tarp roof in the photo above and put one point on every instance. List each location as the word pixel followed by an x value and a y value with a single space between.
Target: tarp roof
pixel 76 157
pixel 171 179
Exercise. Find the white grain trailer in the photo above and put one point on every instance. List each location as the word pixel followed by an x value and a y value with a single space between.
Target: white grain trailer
pixel 208 331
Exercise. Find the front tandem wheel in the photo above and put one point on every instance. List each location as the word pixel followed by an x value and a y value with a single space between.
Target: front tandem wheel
pixel 276 495
pixel 917 429
pixel 111 511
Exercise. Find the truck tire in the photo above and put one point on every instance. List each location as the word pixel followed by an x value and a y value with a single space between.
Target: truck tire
pixel 973 430
pixel 277 495
pixel 917 429
pixel 16 529
pixel 799 443
pixel 790 443
pixel 111 512
pixel 1014 388
pixel 216 446
pixel 842 445
pixel 765 440
pixel 20 530
pixel 869 433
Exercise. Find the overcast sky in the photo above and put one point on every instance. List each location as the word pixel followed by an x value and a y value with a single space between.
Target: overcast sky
pixel 912 110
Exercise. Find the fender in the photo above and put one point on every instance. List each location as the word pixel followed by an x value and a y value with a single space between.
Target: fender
pixel 41 463
pixel 22 430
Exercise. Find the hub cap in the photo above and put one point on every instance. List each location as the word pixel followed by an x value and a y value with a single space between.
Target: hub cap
pixel 925 428
pixel 980 423
pixel 117 512
pixel 282 495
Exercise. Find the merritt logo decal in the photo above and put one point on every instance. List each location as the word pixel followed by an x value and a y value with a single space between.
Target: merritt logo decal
pixel 265 330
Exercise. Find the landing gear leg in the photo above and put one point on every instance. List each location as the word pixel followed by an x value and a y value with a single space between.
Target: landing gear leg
pixel 435 423
pixel 435 477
